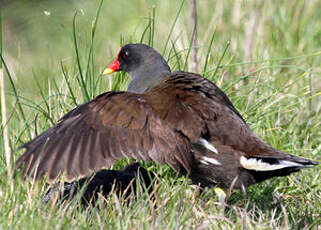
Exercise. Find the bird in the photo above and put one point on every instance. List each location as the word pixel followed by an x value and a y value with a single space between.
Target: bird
pixel 123 182
pixel 169 117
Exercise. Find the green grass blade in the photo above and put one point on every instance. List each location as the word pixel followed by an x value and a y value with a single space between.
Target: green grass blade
pixel 82 81
pixel 173 26
pixel 152 27
pixel 41 91
pixel 144 32
pixel 90 59
pixel 220 61
pixel 21 112
pixel 209 50
pixel 178 60
pixel 65 74
pixel 188 52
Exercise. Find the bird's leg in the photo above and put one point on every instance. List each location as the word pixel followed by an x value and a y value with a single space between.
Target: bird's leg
pixel 229 192
pixel 244 192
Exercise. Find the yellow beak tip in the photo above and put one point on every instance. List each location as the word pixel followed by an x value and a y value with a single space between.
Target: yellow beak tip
pixel 108 71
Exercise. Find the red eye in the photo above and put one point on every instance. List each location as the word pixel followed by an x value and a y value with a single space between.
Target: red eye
pixel 125 54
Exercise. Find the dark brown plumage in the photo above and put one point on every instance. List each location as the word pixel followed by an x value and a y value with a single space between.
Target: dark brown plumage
pixel 122 182
pixel 178 118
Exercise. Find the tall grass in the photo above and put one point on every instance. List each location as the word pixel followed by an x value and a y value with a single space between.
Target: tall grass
pixel 4 119
pixel 281 102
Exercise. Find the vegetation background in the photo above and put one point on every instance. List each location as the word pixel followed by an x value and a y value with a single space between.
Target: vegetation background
pixel 265 55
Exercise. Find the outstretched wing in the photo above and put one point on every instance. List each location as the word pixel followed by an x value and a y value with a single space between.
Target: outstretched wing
pixel 93 135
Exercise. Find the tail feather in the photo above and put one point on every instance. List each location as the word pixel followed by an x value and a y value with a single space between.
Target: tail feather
pixel 264 167
pixel 273 163
pixel 300 160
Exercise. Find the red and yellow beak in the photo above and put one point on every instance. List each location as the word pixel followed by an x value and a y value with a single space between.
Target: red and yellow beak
pixel 113 66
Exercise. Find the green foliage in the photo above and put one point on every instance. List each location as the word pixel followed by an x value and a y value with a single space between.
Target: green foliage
pixel 55 63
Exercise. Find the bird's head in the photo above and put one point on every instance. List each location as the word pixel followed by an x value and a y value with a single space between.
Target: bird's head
pixel 143 63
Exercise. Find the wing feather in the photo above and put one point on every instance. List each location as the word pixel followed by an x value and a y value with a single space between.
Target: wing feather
pixel 160 125
pixel 93 135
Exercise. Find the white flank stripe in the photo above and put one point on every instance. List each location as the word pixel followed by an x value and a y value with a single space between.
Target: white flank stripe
pixel 207 145
pixel 259 165
pixel 206 160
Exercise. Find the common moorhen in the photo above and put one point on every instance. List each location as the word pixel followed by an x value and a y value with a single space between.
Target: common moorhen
pixel 178 118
